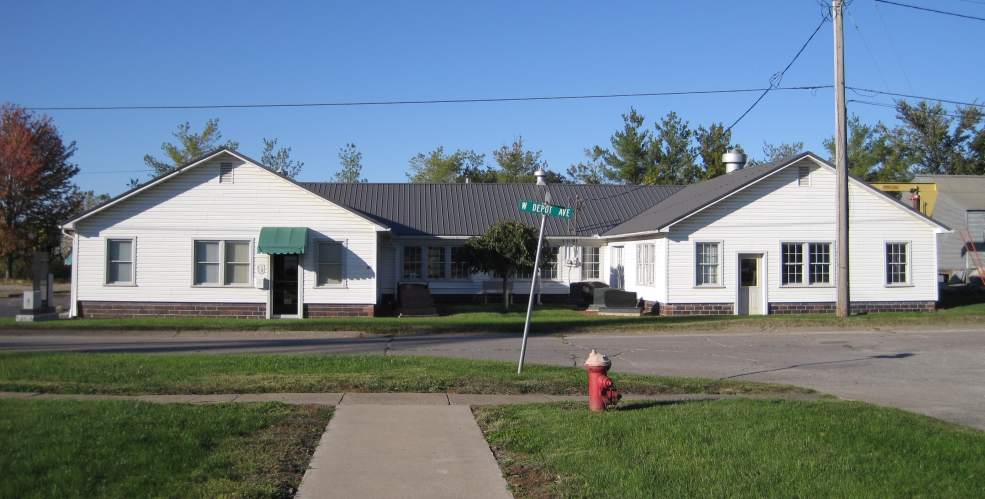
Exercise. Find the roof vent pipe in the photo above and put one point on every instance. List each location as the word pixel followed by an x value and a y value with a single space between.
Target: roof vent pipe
pixel 734 161
pixel 540 174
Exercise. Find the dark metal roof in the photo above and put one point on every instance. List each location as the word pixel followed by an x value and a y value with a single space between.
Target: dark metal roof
pixel 470 209
pixel 696 196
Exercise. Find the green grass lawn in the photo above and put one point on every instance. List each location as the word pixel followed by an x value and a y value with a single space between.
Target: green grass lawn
pixel 69 449
pixel 237 373
pixel 546 320
pixel 733 448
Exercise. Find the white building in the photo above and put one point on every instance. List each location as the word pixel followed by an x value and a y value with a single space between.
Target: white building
pixel 225 236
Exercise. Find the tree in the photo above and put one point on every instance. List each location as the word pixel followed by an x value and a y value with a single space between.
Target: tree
pixel 517 164
pixel 673 155
pixel 506 250
pixel 870 156
pixel 91 200
pixel 350 165
pixel 590 171
pixel 713 143
pixel 777 152
pixel 279 160
pixel 190 146
pixel 630 158
pixel 437 167
pixel 36 193
pixel 936 142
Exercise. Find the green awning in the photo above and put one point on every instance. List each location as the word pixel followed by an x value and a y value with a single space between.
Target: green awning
pixel 282 240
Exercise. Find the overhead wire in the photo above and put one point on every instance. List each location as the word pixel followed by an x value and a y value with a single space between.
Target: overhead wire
pixel 928 9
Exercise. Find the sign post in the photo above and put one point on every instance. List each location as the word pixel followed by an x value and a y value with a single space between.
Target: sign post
pixel 545 210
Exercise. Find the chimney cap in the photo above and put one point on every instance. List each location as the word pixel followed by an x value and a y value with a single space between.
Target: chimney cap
pixel 540 174
pixel 734 160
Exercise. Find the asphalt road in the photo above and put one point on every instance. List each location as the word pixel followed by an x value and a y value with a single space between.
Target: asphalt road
pixel 938 373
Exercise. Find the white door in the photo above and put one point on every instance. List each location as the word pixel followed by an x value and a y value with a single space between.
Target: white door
pixel 617 272
pixel 751 284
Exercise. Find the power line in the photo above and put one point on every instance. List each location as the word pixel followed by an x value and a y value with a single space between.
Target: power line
pixel 889 106
pixel 417 102
pixel 778 77
pixel 865 43
pixel 892 46
pixel 917 7
pixel 857 90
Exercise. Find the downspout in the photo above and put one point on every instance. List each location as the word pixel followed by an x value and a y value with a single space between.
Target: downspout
pixel 73 310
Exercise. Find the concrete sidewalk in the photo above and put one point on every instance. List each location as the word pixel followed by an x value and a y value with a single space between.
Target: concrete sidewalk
pixel 407 451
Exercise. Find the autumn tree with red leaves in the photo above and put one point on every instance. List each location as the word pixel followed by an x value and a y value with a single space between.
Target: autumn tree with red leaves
pixel 36 192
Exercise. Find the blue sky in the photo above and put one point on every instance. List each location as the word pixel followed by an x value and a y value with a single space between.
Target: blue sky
pixel 162 53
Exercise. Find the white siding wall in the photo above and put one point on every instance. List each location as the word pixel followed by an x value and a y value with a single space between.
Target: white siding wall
pixel 657 291
pixel 777 210
pixel 165 220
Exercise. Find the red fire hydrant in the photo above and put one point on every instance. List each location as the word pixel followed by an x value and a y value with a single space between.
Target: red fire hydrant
pixel 601 394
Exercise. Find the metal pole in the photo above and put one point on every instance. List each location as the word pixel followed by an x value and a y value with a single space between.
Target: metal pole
pixel 530 302
pixel 843 307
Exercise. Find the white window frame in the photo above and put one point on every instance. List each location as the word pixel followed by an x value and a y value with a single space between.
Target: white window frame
pixel 584 262
pixel 908 263
pixel 720 273
pixel 451 265
pixel 420 263
pixel 646 264
pixel 445 271
pixel 805 265
pixel 133 262
pixel 553 270
pixel 222 263
pixel 343 278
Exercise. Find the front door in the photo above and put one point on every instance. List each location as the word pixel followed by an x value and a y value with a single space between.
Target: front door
pixel 285 284
pixel 750 285
pixel 617 273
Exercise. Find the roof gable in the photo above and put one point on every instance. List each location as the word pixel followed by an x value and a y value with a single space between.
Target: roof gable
pixel 202 160
pixel 696 197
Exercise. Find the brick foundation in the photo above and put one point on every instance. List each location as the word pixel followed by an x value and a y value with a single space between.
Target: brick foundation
pixel 674 309
pixel 107 309
pixel 856 307
pixel 338 310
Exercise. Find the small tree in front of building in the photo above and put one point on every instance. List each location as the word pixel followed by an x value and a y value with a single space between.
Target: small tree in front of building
pixel 506 250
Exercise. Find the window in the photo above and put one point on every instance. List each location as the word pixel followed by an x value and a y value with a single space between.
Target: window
pixel 207 262
pixel 548 269
pixel 119 261
pixel 816 266
pixel 897 268
pixel 436 262
pixel 590 262
pixel 707 263
pixel 237 262
pixel 225 173
pixel 793 263
pixel 222 263
pixel 412 262
pixel 646 264
pixel 459 267
pixel 803 176
pixel 329 263
pixel 819 269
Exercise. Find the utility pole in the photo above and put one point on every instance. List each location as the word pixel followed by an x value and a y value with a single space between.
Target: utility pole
pixel 843 307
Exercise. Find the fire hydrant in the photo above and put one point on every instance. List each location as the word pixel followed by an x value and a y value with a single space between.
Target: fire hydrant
pixel 601 394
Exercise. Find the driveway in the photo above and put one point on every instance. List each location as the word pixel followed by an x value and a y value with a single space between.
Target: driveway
pixel 938 373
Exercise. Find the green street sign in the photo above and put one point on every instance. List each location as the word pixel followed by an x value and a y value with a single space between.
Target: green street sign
pixel 550 210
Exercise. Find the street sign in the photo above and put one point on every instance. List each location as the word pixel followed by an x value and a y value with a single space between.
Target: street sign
pixel 550 210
